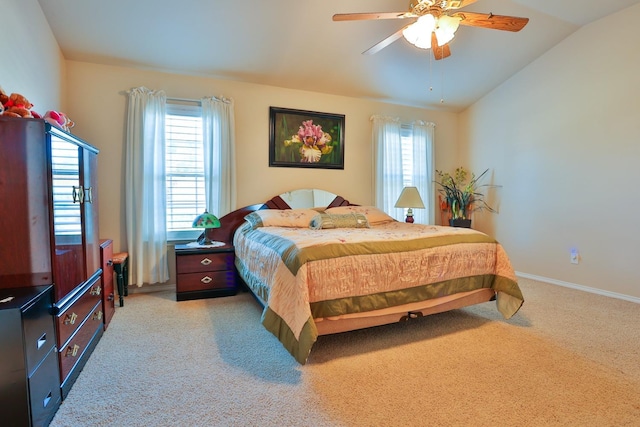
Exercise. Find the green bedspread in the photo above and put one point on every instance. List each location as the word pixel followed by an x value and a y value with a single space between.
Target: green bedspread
pixel 301 274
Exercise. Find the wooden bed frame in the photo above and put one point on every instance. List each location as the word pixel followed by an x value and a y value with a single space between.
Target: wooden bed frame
pixel 233 220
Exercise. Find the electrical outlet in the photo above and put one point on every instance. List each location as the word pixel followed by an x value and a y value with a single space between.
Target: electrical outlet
pixel 575 256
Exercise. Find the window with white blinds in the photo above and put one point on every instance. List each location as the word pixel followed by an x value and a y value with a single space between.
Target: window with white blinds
pixel 184 169
pixel 406 139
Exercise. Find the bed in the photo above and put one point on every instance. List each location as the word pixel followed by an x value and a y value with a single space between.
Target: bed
pixel 321 265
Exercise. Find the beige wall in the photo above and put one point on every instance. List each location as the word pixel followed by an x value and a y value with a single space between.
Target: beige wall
pixel 563 138
pixel 31 63
pixel 97 103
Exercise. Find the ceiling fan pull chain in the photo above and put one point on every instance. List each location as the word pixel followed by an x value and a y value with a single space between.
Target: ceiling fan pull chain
pixel 430 74
pixel 442 85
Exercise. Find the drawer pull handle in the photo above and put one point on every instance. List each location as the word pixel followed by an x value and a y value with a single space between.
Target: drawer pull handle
pixel 47 399
pixel 42 340
pixel 97 315
pixel 77 194
pixel 70 319
pixel 72 351
pixel 88 196
pixel 206 280
pixel 96 290
pixel 205 261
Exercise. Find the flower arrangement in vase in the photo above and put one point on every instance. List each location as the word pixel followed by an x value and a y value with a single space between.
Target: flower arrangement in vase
pixel 462 195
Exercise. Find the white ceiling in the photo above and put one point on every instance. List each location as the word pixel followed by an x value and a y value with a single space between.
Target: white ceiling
pixel 295 43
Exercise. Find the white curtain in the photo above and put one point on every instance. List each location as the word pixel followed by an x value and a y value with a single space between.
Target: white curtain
pixel 145 195
pixel 218 134
pixel 387 167
pixel 423 169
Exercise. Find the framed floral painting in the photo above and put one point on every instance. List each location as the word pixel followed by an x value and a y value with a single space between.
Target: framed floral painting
pixel 305 139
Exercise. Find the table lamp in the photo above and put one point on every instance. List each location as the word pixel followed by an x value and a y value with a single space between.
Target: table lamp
pixel 205 220
pixel 409 198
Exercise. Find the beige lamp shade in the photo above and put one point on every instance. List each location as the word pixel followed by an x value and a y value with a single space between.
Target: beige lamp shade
pixel 409 198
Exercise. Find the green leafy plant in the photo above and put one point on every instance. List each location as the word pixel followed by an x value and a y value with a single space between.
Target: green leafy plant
pixel 462 194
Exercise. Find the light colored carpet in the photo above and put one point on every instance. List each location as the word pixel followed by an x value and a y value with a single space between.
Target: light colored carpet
pixel 567 358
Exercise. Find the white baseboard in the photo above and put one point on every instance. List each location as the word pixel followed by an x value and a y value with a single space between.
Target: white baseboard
pixel 579 287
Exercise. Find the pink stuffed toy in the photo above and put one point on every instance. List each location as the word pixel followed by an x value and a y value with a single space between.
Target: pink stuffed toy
pixel 58 119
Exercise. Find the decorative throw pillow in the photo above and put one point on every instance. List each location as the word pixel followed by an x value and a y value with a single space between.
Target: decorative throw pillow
pixel 296 218
pixel 374 215
pixel 349 220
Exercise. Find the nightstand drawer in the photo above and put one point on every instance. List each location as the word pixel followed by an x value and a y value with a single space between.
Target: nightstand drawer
pixel 205 262
pixel 208 280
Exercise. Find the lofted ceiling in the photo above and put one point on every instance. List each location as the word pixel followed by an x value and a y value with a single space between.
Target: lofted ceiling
pixel 296 44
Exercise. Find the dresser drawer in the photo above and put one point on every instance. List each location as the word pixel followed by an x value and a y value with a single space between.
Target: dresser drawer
pixel 71 318
pixel 44 390
pixel 73 350
pixel 28 357
pixel 205 262
pixel 39 332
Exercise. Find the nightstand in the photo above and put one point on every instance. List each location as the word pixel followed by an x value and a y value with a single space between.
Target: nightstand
pixel 205 272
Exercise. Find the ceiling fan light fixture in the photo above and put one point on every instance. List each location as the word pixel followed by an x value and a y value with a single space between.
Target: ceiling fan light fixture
pixel 446 28
pixel 419 33
pixel 435 25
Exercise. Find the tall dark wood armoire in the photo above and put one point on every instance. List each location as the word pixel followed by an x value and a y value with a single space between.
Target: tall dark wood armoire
pixel 49 232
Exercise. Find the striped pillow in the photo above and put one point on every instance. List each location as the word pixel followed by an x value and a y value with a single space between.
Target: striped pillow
pixel 349 220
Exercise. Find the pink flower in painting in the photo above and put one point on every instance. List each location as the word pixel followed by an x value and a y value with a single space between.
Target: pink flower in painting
pixel 309 133
pixel 313 142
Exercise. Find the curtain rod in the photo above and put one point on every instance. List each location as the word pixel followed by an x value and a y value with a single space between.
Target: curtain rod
pixel 195 101
pixel 170 98
pixel 198 101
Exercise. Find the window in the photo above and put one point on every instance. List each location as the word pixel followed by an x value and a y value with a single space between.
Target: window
pixel 403 156
pixel 184 170
pixel 406 140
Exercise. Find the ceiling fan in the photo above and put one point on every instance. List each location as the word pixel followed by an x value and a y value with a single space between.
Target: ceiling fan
pixel 434 23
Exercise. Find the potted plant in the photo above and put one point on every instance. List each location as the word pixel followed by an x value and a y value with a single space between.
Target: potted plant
pixel 462 195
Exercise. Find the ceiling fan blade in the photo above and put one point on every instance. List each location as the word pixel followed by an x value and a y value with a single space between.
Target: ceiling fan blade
pixel 384 43
pixel 489 20
pixel 371 16
pixel 459 4
pixel 439 52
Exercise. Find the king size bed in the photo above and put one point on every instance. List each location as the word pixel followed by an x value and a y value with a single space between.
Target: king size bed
pixel 322 266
